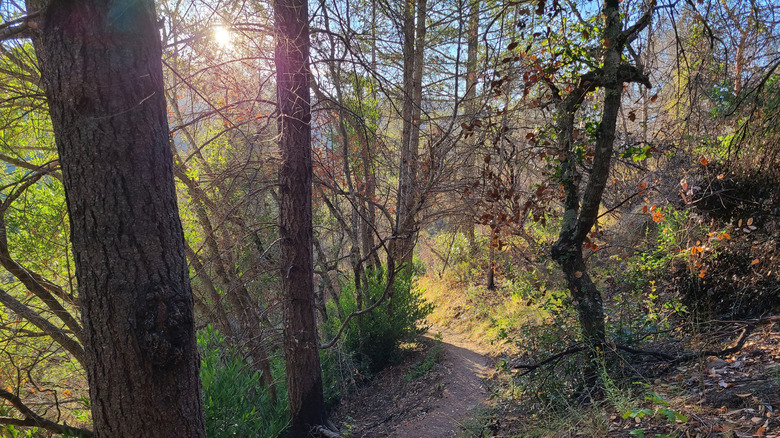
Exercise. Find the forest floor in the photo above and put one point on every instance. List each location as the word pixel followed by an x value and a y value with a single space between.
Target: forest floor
pixel 428 395
pixel 447 386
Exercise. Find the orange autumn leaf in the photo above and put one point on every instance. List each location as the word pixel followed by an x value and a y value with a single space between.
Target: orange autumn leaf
pixel 703 161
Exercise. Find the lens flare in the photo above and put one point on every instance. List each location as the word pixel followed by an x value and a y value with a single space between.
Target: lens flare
pixel 223 37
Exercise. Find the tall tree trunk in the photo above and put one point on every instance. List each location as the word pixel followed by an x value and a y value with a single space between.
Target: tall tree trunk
pixel 470 112
pixel 579 220
pixel 304 378
pixel 367 207
pixel 405 183
pixel 413 53
pixel 102 73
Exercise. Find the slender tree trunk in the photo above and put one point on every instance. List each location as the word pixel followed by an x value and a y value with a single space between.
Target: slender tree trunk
pixel 304 378
pixel 413 54
pixel 470 112
pixel 244 308
pixel 399 247
pixel 490 281
pixel 578 219
pixel 102 73
pixel 367 208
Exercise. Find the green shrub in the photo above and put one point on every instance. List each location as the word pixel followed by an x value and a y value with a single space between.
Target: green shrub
pixel 235 400
pixel 373 340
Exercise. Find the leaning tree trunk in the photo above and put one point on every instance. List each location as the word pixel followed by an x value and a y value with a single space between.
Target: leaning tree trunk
pixel 304 379
pixel 102 73
pixel 579 220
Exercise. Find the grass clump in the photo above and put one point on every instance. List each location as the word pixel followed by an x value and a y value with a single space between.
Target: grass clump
pixel 432 358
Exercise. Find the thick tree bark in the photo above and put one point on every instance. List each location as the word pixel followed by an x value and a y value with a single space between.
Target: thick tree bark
pixel 102 73
pixel 304 378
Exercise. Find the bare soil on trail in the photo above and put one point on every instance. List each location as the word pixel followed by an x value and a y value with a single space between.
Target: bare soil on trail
pixel 430 406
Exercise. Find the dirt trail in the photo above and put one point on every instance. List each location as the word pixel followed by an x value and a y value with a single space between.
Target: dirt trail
pixel 461 386
pixel 430 406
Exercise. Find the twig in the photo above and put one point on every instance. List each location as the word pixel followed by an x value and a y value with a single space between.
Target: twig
pixel 34 420
pixel 553 358
pixel 672 360
pixel 390 284
pixel 675 360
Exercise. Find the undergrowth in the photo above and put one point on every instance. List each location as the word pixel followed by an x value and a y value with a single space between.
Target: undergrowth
pixel 235 400
pixel 687 269
pixel 433 357
pixel 372 341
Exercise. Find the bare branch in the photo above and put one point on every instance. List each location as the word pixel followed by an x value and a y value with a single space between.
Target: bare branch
pixel 19 28
pixel 68 343
pixel 390 282
pixel 630 34
pixel 31 419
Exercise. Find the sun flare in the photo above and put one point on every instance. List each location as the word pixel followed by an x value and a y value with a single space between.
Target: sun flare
pixel 223 37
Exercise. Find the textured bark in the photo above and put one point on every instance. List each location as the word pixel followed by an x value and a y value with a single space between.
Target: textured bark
pixel 102 73
pixel 578 219
pixel 414 30
pixel 304 378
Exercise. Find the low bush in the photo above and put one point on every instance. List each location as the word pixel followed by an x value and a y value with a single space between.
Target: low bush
pixel 235 400
pixel 373 340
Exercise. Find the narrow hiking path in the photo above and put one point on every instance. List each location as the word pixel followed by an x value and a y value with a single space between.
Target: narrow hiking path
pixel 431 406
pixel 462 390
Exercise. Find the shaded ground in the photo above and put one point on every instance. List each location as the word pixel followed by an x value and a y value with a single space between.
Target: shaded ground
pixel 734 397
pixel 430 406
